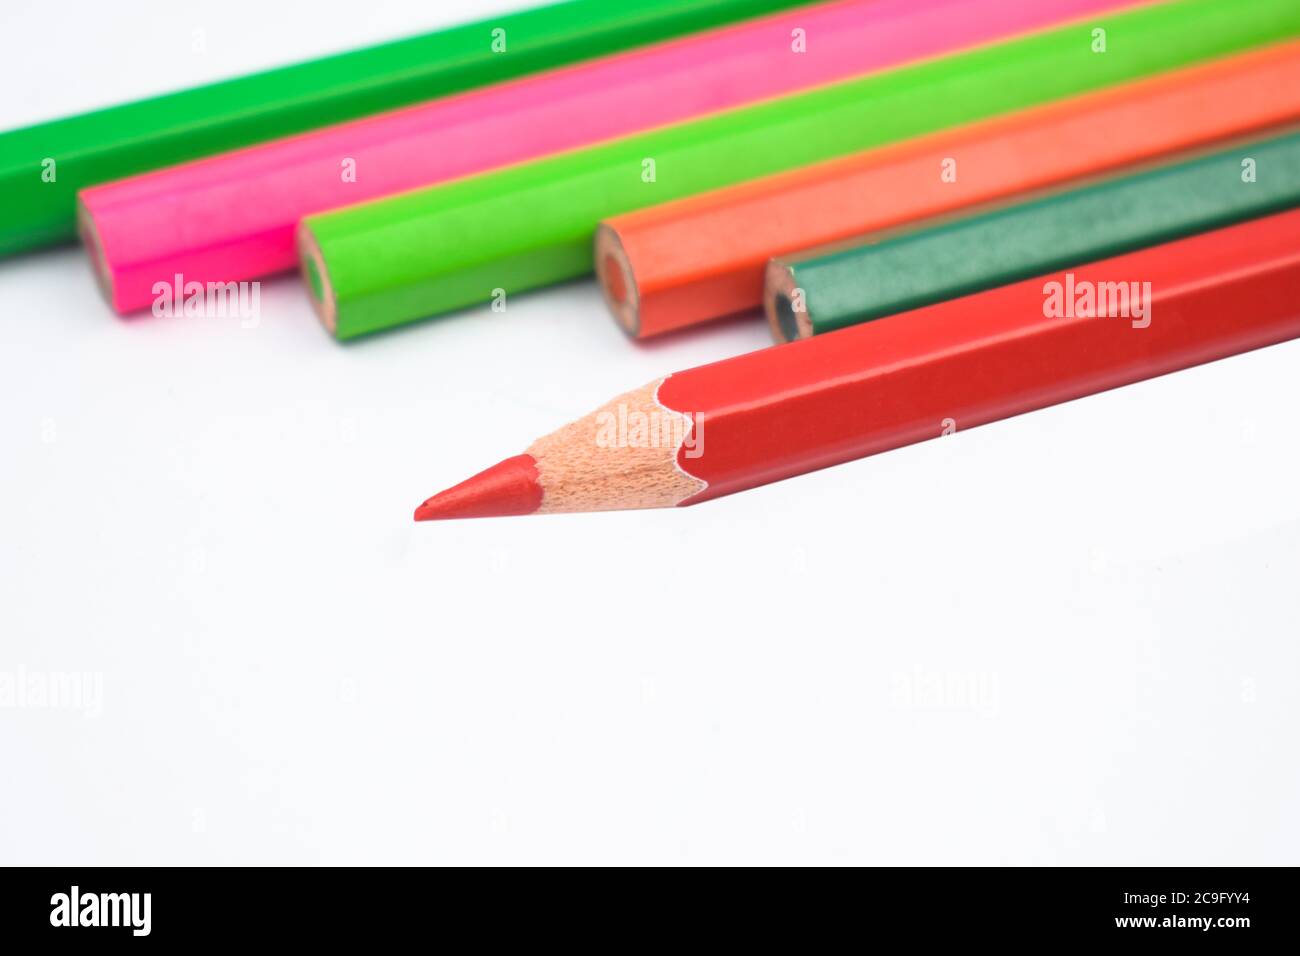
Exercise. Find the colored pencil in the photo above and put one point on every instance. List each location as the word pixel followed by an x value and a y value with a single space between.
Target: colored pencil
pixel 42 167
pixel 783 411
pixel 816 292
pixel 395 260
pixel 232 217
pixel 699 258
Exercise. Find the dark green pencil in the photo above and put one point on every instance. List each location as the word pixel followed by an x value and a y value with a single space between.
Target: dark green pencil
pixel 820 291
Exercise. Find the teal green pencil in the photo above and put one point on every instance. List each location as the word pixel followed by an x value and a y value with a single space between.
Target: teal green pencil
pixel 392 261
pixel 815 292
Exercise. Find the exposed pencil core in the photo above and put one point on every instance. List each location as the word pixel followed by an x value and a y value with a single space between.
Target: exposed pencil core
pixel 507 488
pixel 617 281
pixel 90 237
pixel 786 308
pixel 318 278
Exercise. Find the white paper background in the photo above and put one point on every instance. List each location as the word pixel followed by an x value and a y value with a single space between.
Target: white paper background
pixel 1067 638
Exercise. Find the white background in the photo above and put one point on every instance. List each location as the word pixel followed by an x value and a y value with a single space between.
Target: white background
pixel 1066 638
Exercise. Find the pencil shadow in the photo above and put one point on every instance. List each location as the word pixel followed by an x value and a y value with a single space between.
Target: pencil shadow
pixel 735 322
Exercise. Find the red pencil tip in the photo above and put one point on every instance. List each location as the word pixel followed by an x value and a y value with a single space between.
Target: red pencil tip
pixel 509 488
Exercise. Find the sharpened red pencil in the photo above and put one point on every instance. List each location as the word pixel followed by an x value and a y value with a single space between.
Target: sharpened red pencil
pixel 772 414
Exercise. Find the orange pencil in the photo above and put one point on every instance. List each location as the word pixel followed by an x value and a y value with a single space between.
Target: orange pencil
pixel 703 257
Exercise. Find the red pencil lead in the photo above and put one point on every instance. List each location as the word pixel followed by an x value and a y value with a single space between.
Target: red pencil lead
pixel 507 488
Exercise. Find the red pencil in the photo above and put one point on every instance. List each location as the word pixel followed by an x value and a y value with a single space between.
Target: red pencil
pixel 721 428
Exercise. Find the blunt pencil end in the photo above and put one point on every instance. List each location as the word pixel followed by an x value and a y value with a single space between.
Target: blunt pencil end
pixel 508 488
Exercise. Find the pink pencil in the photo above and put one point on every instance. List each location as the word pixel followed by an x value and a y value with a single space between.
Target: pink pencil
pixel 232 217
